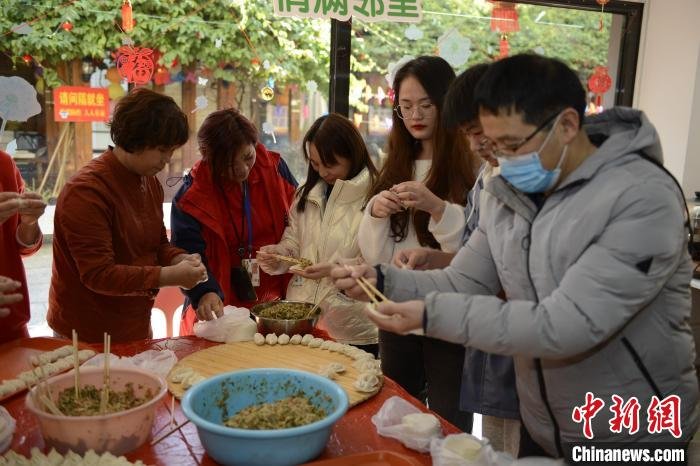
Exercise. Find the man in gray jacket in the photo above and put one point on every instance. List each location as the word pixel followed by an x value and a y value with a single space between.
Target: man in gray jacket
pixel 584 232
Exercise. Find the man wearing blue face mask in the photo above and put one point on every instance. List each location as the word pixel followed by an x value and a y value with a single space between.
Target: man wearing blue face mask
pixel 584 232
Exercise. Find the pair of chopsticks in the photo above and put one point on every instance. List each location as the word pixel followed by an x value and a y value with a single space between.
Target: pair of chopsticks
pixel 43 392
pixel 374 294
pixel 292 260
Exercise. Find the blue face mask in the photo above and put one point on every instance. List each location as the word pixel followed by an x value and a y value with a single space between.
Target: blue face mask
pixel 526 173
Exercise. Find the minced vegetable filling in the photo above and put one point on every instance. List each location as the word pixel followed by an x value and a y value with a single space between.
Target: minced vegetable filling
pixel 293 411
pixel 286 311
pixel 89 402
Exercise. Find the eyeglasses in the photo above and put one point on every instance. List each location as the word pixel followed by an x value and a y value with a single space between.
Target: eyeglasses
pixel 511 149
pixel 423 110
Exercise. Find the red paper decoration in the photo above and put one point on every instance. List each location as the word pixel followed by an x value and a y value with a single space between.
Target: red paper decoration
pixel 504 20
pixel 127 16
pixel 27 58
pixel 135 64
pixel 67 26
pixel 599 83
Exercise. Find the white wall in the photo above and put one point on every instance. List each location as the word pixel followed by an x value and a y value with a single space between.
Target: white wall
pixel 668 75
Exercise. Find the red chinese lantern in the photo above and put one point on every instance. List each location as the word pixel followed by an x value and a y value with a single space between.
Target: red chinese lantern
pixel 161 77
pixel 67 26
pixel 27 58
pixel 599 83
pixel 135 64
pixel 504 20
pixel 127 16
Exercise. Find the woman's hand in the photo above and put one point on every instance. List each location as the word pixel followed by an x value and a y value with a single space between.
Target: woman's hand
pixel 268 262
pixel 186 274
pixel 415 194
pixel 345 278
pixel 210 307
pixel 315 271
pixel 31 207
pixel 386 203
pixel 413 259
pixel 398 318
pixel 8 295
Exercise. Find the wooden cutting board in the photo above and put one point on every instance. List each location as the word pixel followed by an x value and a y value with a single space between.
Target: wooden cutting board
pixel 247 355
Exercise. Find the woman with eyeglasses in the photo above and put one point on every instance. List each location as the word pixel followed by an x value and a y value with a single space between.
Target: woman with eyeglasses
pixel 418 200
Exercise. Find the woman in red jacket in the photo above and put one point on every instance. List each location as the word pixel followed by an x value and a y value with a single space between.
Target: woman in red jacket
pixel 233 201
pixel 19 236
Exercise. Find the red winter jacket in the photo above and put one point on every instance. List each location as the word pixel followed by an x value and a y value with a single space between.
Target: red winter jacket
pixel 201 224
pixel 14 325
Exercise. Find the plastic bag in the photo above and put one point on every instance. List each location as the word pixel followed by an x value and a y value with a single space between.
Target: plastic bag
pixel 159 362
pixel 388 421
pixel 468 450
pixel 7 429
pixel 234 325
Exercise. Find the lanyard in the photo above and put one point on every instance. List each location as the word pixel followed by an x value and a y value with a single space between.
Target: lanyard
pixel 245 218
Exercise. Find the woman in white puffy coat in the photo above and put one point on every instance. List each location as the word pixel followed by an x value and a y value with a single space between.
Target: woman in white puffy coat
pixel 323 224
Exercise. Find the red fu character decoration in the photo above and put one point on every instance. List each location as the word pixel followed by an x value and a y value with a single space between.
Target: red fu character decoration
pixel 504 20
pixel 599 83
pixel 127 16
pixel 135 64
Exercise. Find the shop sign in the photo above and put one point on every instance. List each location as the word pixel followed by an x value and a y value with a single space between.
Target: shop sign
pixel 74 103
pixel 402 11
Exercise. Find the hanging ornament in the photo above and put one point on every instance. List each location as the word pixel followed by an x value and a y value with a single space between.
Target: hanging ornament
pixel 218 43
pixel 200 103
pixel 202 81
pixel 380 95
pixel 504 20
pixel 127 17
pixel 23 29
pixel 454 48
pixel 599 83
pixel 391 94
pixel 413 32
pixel 27 58
pixel 67 26
pixel 161 76
pixel 266 65
pixel 135 64
pixel 190 77
pixel 268 128
pixel 602 4
pixel 311 86
pixel 255 61
pixel 267 93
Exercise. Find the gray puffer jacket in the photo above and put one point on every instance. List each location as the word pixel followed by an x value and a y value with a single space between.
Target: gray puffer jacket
pixel 597 280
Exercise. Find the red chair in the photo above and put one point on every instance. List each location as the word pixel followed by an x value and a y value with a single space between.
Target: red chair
pixel 169 301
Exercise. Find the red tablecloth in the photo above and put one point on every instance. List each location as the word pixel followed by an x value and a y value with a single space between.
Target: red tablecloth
pixel 354 433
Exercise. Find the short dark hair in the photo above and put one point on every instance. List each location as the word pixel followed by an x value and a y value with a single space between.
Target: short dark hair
pixel 459 106
pixel 145 119
pixel 335 136
pixel 533 85
pixel 221 137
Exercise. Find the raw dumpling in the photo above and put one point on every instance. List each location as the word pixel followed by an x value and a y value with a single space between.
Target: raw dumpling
pixel 328 372
pixel 295 340
pixel 179 374
pixel 283 339
pixel 326 344
pixel 315 343
pixel 259 339
pixel 271 339
pixel 192 379
pixel 366 382
pixel 367 365
pixel 335 347
pixel 337 367
pixel 307 339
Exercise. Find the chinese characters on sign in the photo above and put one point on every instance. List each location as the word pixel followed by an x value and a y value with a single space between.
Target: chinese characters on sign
pixel 661 415
pixel 402 11
pixel 80 104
